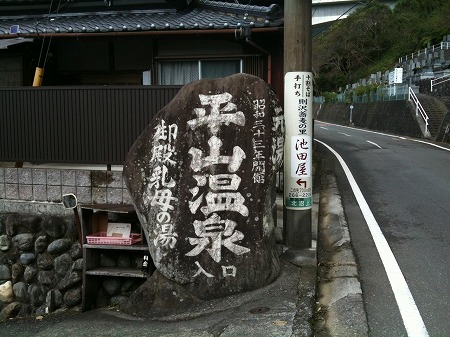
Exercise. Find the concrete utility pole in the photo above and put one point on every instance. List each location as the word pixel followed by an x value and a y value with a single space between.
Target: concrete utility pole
pixel 298 97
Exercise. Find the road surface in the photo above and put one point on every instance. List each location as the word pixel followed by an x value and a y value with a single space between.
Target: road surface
pixel 398 212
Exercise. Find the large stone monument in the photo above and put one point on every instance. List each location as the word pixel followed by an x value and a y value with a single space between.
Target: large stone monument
pixel 201 177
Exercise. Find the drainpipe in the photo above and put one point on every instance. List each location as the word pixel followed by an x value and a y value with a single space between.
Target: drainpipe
pixel 269 58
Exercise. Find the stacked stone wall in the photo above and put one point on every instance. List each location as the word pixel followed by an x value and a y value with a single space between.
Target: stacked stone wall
pixel 40 264
pixel 41 259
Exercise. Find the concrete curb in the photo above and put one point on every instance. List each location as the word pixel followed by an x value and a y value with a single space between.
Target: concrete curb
pixel 340 307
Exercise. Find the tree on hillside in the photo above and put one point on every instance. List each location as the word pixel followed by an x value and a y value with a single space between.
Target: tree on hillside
pixel 351 44
pixel 420 22
pixel 419 6
pixel 373 38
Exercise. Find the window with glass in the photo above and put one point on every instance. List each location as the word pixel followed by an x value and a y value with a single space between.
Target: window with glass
pixel 181 72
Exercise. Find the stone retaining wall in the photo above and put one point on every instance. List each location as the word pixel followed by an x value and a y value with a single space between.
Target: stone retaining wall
pixel 40 264
pixel 41 259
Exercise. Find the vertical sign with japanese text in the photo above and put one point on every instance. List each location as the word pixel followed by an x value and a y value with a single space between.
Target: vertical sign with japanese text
pixel 298 97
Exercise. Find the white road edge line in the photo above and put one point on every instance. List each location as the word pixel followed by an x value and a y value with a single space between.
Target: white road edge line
pixel 389 135
pixel 412 319
pixel 378 146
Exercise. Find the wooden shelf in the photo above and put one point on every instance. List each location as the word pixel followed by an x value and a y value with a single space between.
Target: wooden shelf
pixel 116 271
pixel 114 208
pixel 93 219
pixel 116 247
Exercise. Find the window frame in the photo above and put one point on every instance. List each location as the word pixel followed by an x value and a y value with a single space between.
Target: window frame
pixel 240 59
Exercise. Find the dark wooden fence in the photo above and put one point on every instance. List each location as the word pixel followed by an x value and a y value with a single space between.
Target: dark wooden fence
pixel 83 125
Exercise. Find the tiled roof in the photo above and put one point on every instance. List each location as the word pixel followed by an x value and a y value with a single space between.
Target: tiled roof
pixel 200 15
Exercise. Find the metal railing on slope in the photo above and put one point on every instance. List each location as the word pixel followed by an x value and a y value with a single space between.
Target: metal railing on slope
pixel 419 109
pixel 394 92
pixel 444 45
pixel 439 80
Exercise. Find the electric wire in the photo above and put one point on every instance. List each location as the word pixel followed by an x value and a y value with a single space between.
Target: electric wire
pixel 50 40
pixel 340 16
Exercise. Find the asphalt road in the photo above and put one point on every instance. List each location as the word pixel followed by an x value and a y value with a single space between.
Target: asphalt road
pixel 406 185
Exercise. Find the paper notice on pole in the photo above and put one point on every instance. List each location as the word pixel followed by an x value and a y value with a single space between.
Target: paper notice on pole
pixel 298 98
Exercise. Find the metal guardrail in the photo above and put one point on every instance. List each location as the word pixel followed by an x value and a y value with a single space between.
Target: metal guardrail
pixel 419 109
pixel 443 45
pixel 439 80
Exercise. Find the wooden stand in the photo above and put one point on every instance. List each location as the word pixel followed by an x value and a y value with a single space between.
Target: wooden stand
pixel 95 218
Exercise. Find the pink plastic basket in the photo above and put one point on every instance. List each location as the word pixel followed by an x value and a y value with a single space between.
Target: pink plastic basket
pixel 100 238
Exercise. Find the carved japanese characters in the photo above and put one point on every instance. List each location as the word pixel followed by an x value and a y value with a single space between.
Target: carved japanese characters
pixel 201 177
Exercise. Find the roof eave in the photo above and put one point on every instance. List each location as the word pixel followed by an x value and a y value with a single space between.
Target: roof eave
pixel 144 33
